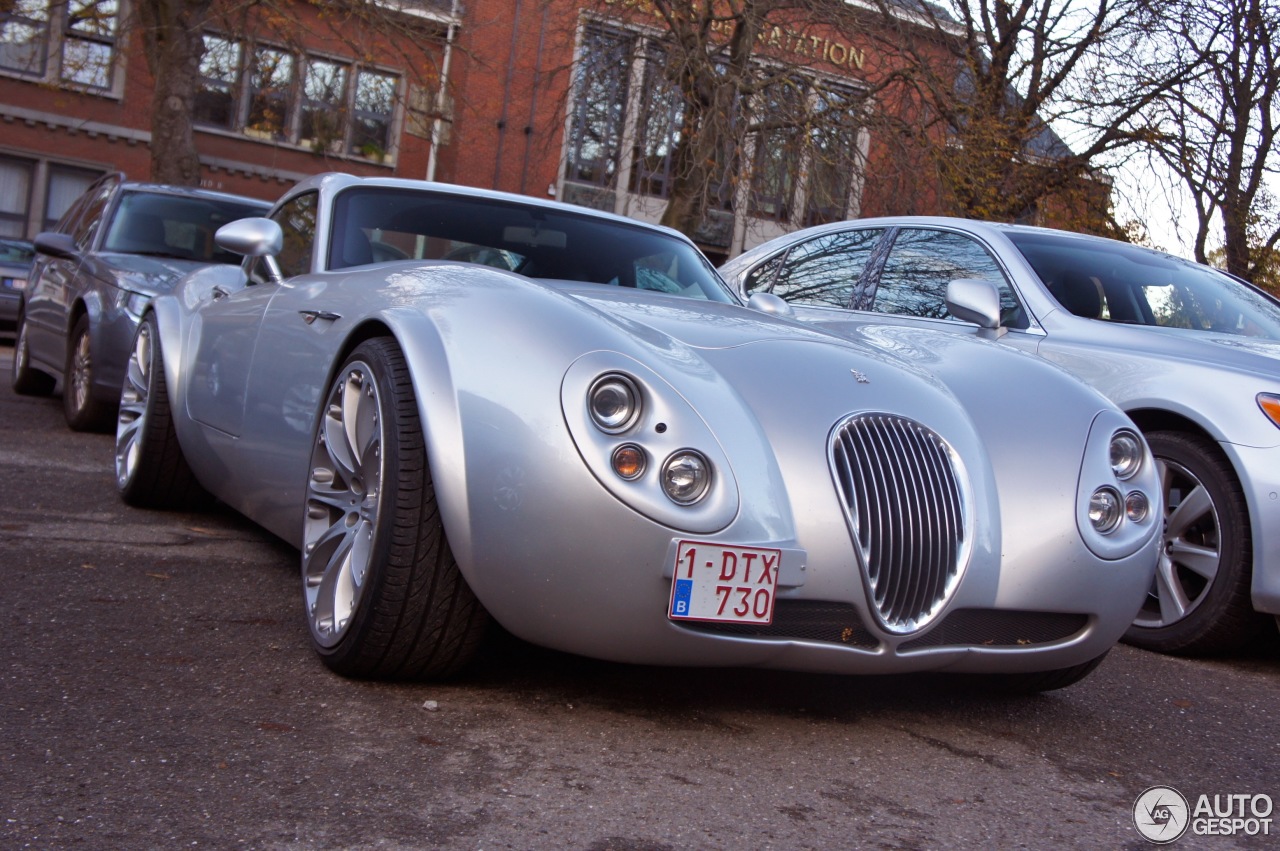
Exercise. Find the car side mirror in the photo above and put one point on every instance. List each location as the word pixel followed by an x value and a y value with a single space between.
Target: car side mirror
pixel 58 245
pixel 254 237
pixel 771 304
pixel 975 300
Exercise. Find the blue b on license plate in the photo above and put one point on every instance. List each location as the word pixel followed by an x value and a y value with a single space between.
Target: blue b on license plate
pixel 714 582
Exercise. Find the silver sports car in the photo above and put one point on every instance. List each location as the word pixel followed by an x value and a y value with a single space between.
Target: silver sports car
pixel 461 405
pixel 1191 354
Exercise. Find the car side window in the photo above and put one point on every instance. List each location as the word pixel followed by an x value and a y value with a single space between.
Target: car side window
pixel 297 220
pixel 91 216
pixel 922 262
pixel 825 270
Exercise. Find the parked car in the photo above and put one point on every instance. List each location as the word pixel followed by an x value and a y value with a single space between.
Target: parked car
pixel 1190 353
pixel 118 245
pixel 602 450
pixel 15 266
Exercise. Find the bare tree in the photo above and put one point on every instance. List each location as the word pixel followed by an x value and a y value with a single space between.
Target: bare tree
pixel 1217 128
pixel 982 89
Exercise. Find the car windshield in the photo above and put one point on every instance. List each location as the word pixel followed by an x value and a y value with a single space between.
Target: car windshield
pixel 17 252
pixel 1115 282
pixel 379 224
pixel 164 225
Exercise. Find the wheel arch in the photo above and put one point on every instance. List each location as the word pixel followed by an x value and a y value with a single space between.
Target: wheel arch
pixel 1158 419
pixel 427 359
pixel 86 304
pixel 169 324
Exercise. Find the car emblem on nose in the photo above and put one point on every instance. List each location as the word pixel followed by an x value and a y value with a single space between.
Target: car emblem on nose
pixel 861 377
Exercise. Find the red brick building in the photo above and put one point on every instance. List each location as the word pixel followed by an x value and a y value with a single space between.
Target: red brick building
pixel 543 97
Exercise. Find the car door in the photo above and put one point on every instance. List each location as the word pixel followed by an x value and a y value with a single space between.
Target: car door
pixel 224 339
pixel 54 280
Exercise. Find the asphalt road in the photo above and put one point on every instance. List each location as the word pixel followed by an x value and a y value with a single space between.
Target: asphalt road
pixel 158 691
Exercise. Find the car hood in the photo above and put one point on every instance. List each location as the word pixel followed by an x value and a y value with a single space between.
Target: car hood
pixel 143 273
pixel 939 358
pixel 709 325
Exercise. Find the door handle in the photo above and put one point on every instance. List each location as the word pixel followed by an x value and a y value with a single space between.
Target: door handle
pixel 310 316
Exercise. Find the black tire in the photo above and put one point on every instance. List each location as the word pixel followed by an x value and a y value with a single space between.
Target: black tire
pixel 1207 610
pixel 83 411
pixel 151 471
pixel 1033 682
pixel 384 596
pixel 26 379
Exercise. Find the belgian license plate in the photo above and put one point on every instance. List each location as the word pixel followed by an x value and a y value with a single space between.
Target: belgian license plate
pixel 714 582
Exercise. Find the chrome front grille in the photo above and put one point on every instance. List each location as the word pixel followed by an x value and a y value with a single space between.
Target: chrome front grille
pixel 906 504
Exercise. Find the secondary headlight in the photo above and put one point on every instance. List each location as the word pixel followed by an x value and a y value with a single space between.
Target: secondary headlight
pixel 614 403
pixel 135 304
pixel 628 461
pixel 1137 506
pixel 1270 405
pixel 686 475
pixel 1105 510
pixel 1126 454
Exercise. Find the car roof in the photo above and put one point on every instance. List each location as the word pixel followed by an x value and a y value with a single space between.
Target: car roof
pixel 189 192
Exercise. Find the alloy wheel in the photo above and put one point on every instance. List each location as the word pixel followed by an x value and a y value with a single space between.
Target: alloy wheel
pixel 81 372
pixel 134 396
pixel 1191 554
pixel 343 499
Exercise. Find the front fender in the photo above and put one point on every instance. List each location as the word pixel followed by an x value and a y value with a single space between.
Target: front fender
pixel 175 314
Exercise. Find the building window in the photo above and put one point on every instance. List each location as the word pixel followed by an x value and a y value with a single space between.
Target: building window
pixel 658 129
pixel 24 37
pixel 776 164
pixel 35 193
pixel 321 122
pixel 89 42
pixel 371 117
pixel 791 154
pixel 600 104
pixel 65 185
pixel 270 80
pixel 318 103
pixel 215 103
pixel 15 195
pixel 82 32
pixel 832 157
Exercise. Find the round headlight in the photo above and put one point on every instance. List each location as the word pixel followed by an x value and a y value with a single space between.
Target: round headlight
pixel 1137 506
pixel 1126 454
pixel 1105 510
pixel 628 461
pixel 614 403
pixel 686 477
